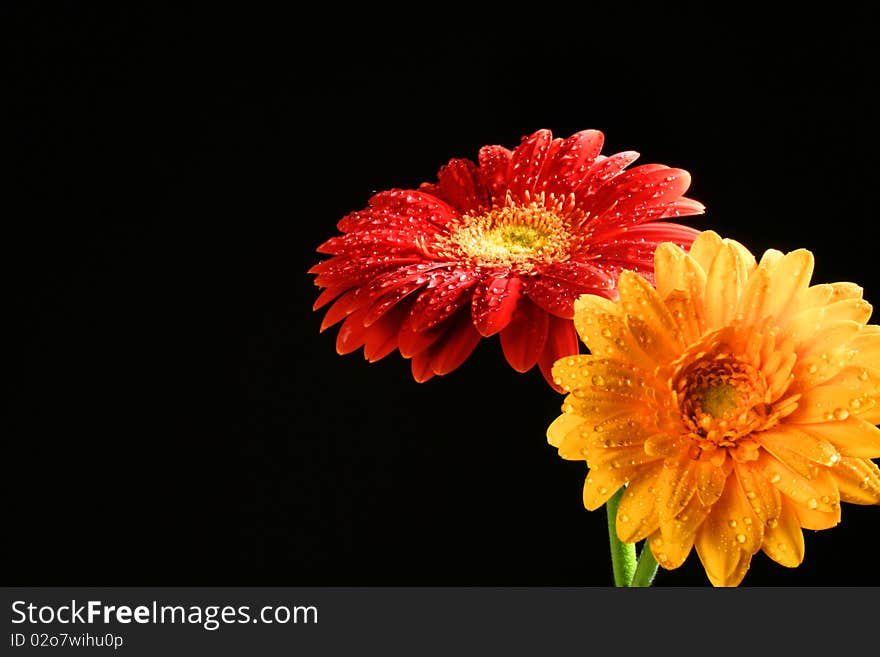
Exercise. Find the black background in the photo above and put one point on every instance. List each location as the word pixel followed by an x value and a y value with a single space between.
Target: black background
pixel 178 419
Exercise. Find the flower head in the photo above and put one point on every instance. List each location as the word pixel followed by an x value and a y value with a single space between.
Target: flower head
pixel 735 401
pixel 503 247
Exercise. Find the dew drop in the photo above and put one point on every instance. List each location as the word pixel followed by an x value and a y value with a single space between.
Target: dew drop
pixel 855 404
pixel 598 428
pixel 812 503
pixel 747 521
pixel 826 499
pixel 732 522
pixel 740 538
pixel 775 478
pixel 812 369
pixel 751 494
pixel 863 375
pixel 598 380
pixel 606 333
pixel 624 518
pixel 602 490
pixel 772 523
pixel 841 413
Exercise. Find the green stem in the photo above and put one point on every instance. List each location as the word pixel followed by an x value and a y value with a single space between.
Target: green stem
pixel 623 555
pixel 646 568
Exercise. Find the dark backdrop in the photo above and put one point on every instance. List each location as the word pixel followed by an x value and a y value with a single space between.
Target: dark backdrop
pixel 177 418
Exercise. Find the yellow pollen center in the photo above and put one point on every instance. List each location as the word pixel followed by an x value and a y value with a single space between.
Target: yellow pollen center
pixel 717 400
pixel 514 238
pixel 721 400
pixel 516 235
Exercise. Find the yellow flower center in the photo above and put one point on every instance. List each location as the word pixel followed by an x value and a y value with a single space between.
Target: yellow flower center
pixel 515 235
pixel 721 399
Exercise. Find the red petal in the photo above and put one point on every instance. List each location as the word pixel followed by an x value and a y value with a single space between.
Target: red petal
pixel 340 309
pixel 603 170
pixel 494 170
pixel 351 272
pixel 381 336
pixel 568 166
pixel 458 343
pixel 406 207
pixel 527 161
pixel 447 292
pixel 494 302
pixel 562 341
pixel 352 333
pixel 412 341
pixel 553 295
pixel 421 367
pixel 459 184
pixel 328 295
pixel 524 338
pixel 387 240
pixel 390 300
pixel 638 195
pixel 585 276
pixel 387 282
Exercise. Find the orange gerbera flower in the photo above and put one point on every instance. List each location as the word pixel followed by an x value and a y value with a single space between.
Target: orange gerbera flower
pixel 502 246
pixel 735 401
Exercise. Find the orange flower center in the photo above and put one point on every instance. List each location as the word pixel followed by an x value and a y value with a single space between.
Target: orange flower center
pixel 515 235
pixel 722 399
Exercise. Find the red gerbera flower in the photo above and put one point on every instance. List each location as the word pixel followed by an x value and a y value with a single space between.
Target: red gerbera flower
pixel 504 246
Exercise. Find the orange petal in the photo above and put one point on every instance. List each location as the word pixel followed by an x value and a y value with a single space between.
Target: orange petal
pixel 676 485
pixel 719 550
pixel 828 403
pixel 668 265
pixel 602 483
pixel 606 333
pixel 688 316
pixel 725 282
pixel 615 457
pixel 705 248
pixel 637 515
pixel 852 437
pixel 845 290
pixel 754 298
pixel 590 373
pixel 710 482
pixel 647 317
pixel 804 326
pixel 597 405
pixel 561 426
pixel 867 346
pixel 663 444
pixel 790 439
pixel 763 498
pixel 783 539
pixel 818 492
pixel 814 519
pixel 677 535
pixel 740 520
pixel 790 278
pixel 858 480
